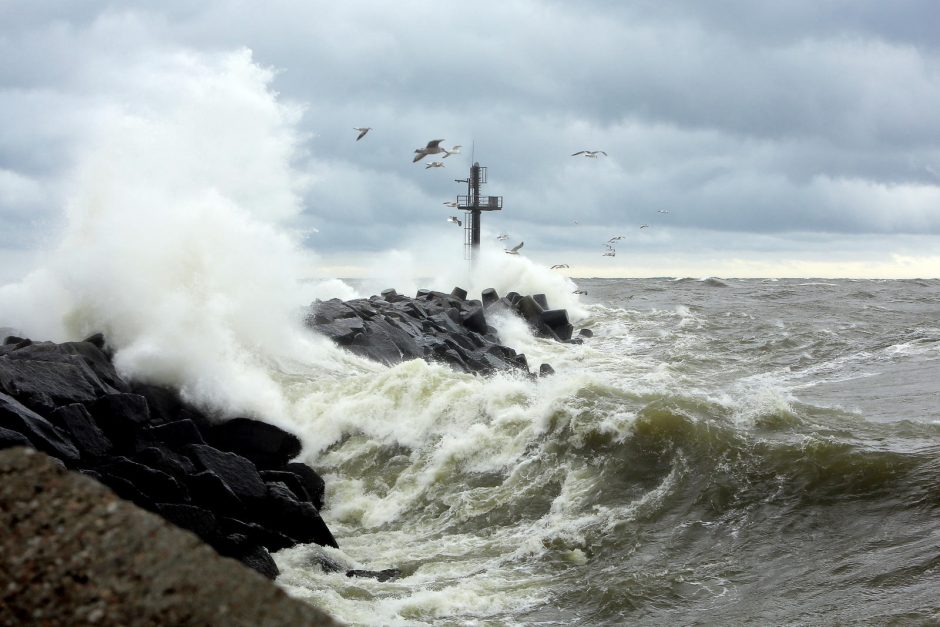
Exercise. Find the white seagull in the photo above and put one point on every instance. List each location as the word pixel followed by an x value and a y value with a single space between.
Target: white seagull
pixel 590 154
pixel 514 250
pixel 362 131
pixel 558 266
pixel 451 203
pixel 434 164
pixel 433 148
pixel 455 220
pixel 502 237
pixel 453 151
pixel 610 253
pixel 644 226
pixel 614 239
pixel 662 211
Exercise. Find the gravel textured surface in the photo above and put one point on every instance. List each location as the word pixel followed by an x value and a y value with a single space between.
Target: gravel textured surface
pixel 71 552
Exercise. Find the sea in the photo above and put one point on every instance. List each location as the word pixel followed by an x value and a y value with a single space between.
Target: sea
pixel 718 452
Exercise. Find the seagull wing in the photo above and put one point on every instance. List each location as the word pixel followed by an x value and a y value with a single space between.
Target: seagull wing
pixel 434 143
pixel 516 249
pixel 362 133
pixel 580 152
pixel 420 155
pixel 602 152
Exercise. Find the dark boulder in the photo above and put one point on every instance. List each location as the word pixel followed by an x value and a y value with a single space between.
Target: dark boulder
pixel 297 519
pixel 541 300
pixel 313 483
pixel 343 331
pixel 546 370
pixel 529 309
pixel 475 320
pixel 156 485
pixel 459 293
pixel 389 574
pixel 122 417
pixel 174 435
pixel 266 445
pixel 42 435
pixel 77 423
pixel 161 458
pixel 238 473
pixel 200 521
pixel 127 491
pixel 292 481
pixel 489 296
pixel 257 558
pixel 10 439
pixel 329 310
pixel 586 333
pixel 271 539
pixel 208 490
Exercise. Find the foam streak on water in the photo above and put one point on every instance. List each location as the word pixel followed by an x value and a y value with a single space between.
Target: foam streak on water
pixel 682 465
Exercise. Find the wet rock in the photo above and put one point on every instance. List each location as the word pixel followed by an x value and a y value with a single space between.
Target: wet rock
pixel 156 485
pixel 161 458
pixel 121 416
pixel 297 519
pixel 265 445
pixel 237 472
pixel 289 479
pixel 489 296
pixel 174 435
pixel 388 574
pixel 313 483
pixel 209 490
pixel 41 434
pixel 9 439
pixel 75 421
pixel 436 326
pixel 200 521
pixel 546 370
pixel 586 333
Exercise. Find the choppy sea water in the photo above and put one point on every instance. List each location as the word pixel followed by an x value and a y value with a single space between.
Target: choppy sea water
pixel 720 452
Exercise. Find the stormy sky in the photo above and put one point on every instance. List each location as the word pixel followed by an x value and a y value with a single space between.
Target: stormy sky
pixel 796 138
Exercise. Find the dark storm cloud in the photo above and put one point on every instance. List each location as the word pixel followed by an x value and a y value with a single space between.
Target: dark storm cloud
pixel 742 117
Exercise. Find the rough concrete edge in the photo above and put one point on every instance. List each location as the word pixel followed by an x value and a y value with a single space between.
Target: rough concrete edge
pixel 73 552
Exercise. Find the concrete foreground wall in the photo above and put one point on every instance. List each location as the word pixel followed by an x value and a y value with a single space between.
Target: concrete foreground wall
pixel 72 552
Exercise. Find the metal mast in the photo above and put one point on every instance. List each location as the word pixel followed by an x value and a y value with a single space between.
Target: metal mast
pixel 473 204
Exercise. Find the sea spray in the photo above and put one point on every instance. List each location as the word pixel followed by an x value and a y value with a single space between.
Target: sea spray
pixel 175 243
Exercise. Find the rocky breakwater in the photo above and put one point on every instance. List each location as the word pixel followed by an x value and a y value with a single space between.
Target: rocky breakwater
pixel 232 483
pixel 391 328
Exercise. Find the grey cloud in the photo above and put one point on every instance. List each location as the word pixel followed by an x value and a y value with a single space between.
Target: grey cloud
pixel 741 117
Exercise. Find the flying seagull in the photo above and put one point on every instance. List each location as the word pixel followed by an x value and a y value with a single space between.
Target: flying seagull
pixel 582 292
pixel 644 226
pixel 558 266
pixel 450 203
pixel 610 253
pixel 362 131
pixel 434 164
pixel 614 239
pixel 455 220
pixel 514 250
pixel 502 237
pixel 453 151
pixel 662 211
pixel 433 148
pixel 590 154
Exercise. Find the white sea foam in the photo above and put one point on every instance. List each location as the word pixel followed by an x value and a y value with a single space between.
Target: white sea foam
pixel 172 244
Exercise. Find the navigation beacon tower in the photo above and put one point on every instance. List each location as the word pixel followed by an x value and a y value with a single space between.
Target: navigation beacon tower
pixel 473 204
